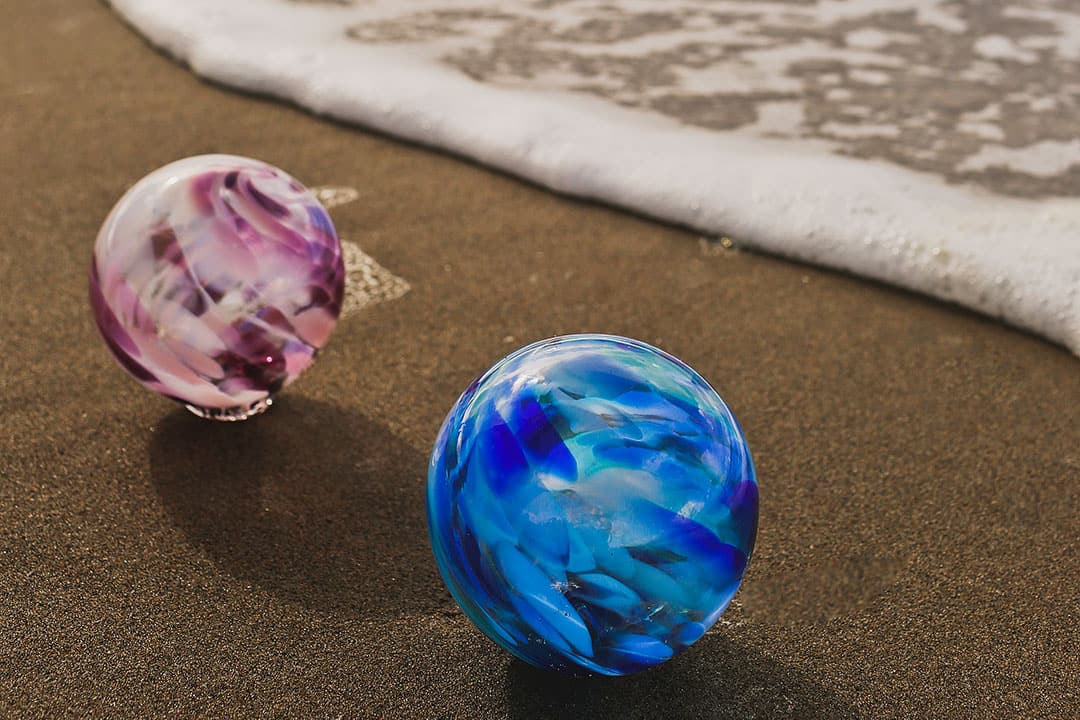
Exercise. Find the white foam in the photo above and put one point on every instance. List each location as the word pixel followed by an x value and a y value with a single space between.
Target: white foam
pixel 873 39
pixel 1010 258
pixel 780 117
pixel 1064 25
pixel 366 281
pixel 859 130
pixel 1042 159
pixel 984 130
pixel 999 47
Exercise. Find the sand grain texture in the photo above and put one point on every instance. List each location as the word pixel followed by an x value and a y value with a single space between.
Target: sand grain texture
pixel 919 464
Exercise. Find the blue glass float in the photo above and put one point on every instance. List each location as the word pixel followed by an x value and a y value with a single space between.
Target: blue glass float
pixel 592 504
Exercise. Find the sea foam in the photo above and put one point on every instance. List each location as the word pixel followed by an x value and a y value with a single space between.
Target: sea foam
pixel 1013 258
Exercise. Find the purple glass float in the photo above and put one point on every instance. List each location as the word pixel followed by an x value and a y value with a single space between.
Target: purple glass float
pixel 215 281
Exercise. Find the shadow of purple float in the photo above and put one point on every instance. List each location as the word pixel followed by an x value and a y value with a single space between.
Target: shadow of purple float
pixel 316 504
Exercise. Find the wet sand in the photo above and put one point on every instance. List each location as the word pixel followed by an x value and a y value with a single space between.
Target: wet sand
pixel 919 464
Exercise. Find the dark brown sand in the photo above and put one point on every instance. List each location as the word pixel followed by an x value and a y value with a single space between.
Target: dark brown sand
pixel 920 527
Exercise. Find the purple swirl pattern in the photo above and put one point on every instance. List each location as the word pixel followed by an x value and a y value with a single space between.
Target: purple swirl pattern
pixel 215 281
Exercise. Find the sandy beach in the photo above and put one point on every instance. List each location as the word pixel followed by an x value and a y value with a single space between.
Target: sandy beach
pixel 918 543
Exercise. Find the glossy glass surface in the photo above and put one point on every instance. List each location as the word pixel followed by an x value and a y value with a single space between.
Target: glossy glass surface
pixel 592 504
pixel 215 281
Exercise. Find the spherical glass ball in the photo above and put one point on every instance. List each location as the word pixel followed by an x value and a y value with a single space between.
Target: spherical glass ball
pixel 215 281
pixel 592 504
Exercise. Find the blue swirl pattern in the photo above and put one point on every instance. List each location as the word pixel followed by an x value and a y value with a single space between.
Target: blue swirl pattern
pixel 592 504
